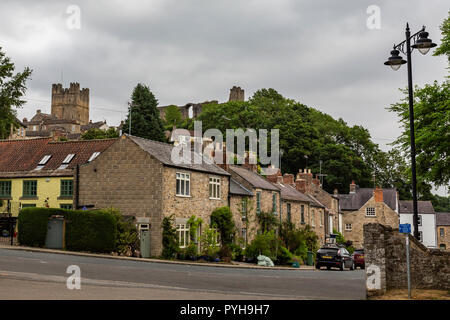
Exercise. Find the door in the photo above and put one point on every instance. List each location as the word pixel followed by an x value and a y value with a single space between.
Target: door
pixel 145 243
pixel 54 238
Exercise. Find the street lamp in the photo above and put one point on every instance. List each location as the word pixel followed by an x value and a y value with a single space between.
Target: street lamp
pixel 423 44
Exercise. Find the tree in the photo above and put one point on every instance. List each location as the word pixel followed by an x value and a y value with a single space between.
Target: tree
pixel 145 118
pixel 432 131
pixel 12 88
pixel 169 238
pixel 173 117
pixel 444 48
pixel 222 219
pixel 96 133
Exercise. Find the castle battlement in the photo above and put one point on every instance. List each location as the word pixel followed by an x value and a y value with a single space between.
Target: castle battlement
pixel 70 103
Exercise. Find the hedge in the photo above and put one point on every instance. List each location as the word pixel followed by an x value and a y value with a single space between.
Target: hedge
pixel 94 231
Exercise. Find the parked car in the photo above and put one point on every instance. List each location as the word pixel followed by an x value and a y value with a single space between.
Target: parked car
pixel 358 258
pixel 332 256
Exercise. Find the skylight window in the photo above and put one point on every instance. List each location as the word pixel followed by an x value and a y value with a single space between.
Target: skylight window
pixel 43 162
pixel 68 158
pixel 93 156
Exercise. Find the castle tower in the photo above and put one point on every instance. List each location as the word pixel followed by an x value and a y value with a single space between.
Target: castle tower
pixel 236 94
pixel 70 103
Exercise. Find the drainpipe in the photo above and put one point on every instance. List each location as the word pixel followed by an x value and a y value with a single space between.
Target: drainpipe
pixel 77 178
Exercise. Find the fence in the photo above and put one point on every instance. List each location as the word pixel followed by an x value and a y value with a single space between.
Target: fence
pixel 8 233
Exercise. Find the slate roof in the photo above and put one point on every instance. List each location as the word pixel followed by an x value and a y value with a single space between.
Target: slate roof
pixel 290 193
pixel 422 207
pixel 315 202
pixel 354 201
pixel 92 125
pixel 253 178
pixel 163 151
pixel 23 156
pixel 239 189
pixel 443 218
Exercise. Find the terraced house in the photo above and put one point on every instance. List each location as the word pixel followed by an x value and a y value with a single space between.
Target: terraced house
pixel 40 172
pixel 138 177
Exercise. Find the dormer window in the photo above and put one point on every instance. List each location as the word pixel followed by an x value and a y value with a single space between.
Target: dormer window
pixel 93 156
pixel 66 161
pixel 43 162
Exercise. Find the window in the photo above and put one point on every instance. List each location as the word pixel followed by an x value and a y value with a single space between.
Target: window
pixel 302 214
pixel 214 188
pixel 419 219
pixel 244 208
pixel 288 209
pixel 348 227
pixel 370 212
pixel 93 156
pixel 43 162
pixel 66 206
pixel 442 246
pixel 441 232
pixel 258 202
pixel 313 214
pixel 244 234
pixel 5 188
pixel 66 188
pixel 183 235
pixel 66 161
pixel 420 236
pixel 183 187
pixel 29 188
pixel 28 205
pixel 321 218
pixel 274 203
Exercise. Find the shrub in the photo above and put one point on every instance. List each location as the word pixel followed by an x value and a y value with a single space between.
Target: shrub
pixel 94 231
pixel 283 256
pixel 222 219
pixel 266 244
pixel 237 252
pixel 169 238
pixel 209 244
pixel 127 242
pixel 191 250
pixel 268 221
pixel 225 253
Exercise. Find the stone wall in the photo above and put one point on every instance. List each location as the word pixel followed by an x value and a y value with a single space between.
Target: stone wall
pixel 385 258
pixel 445 239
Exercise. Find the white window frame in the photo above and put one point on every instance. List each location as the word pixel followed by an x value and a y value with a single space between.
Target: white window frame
pixel 183 234
pixel 419 220
pixel 313 218
pixel 441 232
pixel 420 236
pixel 348 227
pixel 370 214
pixel 214 188
pixel 185 181
pixel 322 217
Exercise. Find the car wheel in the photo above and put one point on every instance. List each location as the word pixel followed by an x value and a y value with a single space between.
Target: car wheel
pixel 328 267
pixel 362 267
pixel 353 266
pixel 317 266
pixel 342 267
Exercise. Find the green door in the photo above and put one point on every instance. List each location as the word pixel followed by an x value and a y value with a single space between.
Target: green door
pixel 145 243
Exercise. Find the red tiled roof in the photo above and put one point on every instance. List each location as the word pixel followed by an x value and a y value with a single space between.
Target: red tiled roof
pixel 24 155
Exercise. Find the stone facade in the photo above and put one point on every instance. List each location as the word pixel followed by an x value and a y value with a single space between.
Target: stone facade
pixel 357 219
pixel 385 259
pixel 443 241
pixel 130 179
pixel 70 103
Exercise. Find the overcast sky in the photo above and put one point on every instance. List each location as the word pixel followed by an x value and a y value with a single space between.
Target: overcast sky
pixel 320 53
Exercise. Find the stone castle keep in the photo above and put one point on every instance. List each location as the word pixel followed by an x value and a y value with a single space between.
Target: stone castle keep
pixel 70 103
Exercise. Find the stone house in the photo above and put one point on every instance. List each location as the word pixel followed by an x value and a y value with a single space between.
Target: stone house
pixel 258 194
pixel 443 230
pixel 427 220
pixel 367 205
pixel 312 187
pixel 138 177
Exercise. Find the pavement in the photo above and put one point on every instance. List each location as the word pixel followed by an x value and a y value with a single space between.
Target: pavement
pixel 42 274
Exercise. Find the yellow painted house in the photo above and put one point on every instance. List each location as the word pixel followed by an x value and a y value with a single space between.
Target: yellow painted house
pixel 40 172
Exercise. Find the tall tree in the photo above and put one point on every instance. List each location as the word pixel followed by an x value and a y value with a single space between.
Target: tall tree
pixel 145 119
pixel 12 88
pixel 96 133
pixel 444 48
pixel 432 131
pixel 173 117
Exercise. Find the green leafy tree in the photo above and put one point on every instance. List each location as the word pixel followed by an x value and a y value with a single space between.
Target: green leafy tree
pixel 169 238
pixel 145 118
pixel 444 48
pixel 432 131
pixel 173 117
pixel 440 203
pixel 12 89
pixel 222 219
pixel 96 133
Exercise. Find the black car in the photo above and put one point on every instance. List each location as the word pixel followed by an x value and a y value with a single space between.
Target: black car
pixel 334 257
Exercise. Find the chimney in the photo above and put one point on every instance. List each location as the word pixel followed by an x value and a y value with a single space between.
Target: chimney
pixel 316 181
pixel 378 194
pixel 247 164
pixel 352 187
pixel 335 192
pixel 223 156
pixel 288 179
pixel 305 175
pixel 274 178
pixel 300 185
pixel 280 179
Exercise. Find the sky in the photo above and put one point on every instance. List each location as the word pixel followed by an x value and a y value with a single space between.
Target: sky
pixel 326 54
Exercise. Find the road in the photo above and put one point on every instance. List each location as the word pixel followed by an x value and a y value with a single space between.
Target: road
pixel 39 275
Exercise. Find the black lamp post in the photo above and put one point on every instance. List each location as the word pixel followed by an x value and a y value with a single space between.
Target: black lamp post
pixel 423 44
